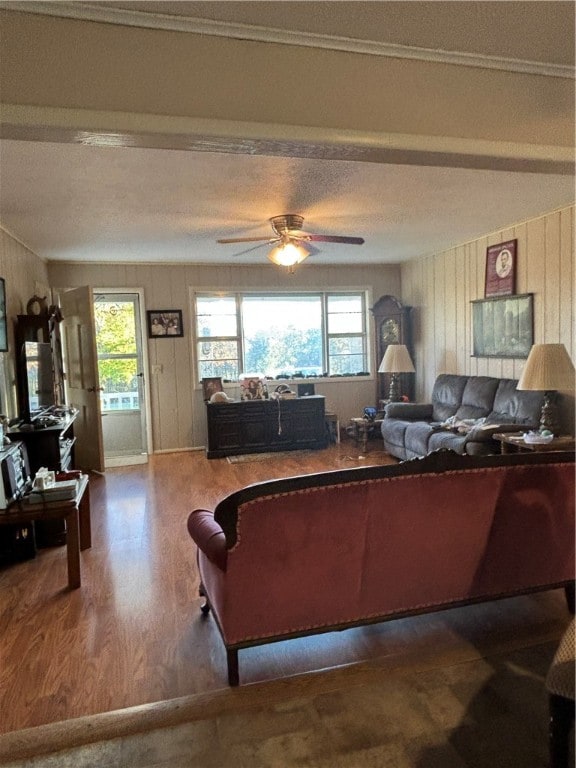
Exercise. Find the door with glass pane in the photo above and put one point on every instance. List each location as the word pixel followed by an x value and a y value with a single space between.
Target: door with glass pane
pixel 121 373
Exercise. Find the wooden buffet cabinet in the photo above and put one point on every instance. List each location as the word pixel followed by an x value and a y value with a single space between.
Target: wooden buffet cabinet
pixel 45 425
pixel 256 426
pixel 50 446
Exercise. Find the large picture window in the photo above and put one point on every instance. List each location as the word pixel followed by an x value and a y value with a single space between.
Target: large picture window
pixel 297 334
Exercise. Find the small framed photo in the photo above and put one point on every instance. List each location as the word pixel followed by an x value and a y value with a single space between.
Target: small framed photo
pixel 211 385
pixel 3 327
pixel 251 388
pixel 164 323
pixel 501 269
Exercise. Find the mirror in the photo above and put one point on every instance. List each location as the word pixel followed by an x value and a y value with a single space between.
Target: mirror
pixel 39 377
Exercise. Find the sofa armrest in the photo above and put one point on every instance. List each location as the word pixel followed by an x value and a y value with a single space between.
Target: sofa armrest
pixel 409 411
pixel 485 432
pixel 208 536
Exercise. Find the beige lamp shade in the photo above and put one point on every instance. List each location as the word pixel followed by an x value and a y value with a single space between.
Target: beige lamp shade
pixel 547 368
pixel 288 254
pixel 396 360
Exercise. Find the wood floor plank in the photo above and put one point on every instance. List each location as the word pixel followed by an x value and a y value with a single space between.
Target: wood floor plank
pixel 133 633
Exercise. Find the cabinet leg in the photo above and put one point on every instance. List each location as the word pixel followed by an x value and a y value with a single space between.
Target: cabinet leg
pixel 73 549
pixel 233 673
pixel 84 520
pixel 561 719
pixel 569 591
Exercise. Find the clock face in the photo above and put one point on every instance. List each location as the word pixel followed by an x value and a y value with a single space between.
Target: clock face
pixel 390 331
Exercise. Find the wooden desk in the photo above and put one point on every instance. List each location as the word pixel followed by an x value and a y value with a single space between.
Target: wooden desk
pixel 513 442
pixel 76 513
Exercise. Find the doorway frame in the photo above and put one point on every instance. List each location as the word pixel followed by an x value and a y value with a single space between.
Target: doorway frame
pixel 118 461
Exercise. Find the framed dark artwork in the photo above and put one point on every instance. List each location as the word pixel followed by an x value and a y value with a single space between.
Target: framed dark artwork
pixel 164 323
pixel 501 269
pixel 211 385
pixel 503 326
pixel 3 326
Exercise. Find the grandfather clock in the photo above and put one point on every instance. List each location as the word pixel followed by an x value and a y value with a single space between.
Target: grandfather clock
pixel 393 323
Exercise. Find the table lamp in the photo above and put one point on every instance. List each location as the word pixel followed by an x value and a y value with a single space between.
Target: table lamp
pixel 396 360
pixel 548 368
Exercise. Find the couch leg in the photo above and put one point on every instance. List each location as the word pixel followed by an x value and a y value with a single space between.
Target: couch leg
pixel 561 719
pixel 569 592
pixel 232 660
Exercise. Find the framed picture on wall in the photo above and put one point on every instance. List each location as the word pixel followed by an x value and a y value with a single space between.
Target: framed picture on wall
pixel 501 269
pixel 164 323
pixel 3 327
pixel 503 326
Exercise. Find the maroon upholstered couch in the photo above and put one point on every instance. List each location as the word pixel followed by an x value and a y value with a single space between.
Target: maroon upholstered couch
pixel 320 552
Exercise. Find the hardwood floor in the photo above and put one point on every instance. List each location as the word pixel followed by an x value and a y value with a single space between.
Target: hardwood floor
pixel 133 633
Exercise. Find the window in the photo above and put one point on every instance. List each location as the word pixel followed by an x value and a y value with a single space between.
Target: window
pixel 307 334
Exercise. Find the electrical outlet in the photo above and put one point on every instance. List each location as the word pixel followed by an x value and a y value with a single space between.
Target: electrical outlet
pixel 156 369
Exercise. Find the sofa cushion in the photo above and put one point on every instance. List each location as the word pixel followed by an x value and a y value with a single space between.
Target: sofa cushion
pixel 515 406
pixel 394 431
pixel 444 439
pixel 416 438
pixel 447 395
pixel 478 397
pixel 409 411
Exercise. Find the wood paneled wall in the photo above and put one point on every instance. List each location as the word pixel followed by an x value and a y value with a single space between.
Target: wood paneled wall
pixel 178 411
pixel 26 275
pixel 440 287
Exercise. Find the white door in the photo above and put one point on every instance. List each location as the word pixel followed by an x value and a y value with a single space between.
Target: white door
pixel 121 369
pixel 82 386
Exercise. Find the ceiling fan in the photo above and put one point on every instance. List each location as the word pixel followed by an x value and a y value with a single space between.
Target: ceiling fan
pixel 292 242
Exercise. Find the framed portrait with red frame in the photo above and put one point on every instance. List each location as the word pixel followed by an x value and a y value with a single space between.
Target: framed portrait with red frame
pixel 501 269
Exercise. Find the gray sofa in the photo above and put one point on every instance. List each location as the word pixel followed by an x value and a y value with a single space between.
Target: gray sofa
pixel 464 414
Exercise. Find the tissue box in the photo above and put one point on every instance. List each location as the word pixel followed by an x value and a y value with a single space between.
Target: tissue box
pixel 58 491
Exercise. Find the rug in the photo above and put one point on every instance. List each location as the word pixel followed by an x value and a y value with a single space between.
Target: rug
pixel 481 713
pixel 249 457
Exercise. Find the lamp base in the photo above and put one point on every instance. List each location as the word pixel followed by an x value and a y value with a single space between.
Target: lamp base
pixel 549 415
pixel 394 391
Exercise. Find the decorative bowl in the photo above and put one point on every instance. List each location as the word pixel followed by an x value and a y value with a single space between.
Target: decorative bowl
pixel 537 439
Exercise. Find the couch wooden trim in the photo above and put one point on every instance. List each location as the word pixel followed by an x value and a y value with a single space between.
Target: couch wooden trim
pixel 226 512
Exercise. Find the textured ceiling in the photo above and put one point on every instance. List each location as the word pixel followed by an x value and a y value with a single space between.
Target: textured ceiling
pixel 94 203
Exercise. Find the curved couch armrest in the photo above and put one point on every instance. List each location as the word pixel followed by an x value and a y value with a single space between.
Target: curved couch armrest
pixel 486 432
pixel 208 536
pixel 409 411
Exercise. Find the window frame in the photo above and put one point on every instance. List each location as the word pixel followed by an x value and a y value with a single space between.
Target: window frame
pixel 364 334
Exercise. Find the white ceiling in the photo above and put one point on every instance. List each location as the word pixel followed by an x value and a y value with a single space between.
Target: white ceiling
pixel 70 202
pixel 83 203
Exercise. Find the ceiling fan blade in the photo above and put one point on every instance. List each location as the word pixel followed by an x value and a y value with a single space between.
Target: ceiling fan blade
pixel 311 249
pixel 247 250
pixel 335 239
pixel 244 240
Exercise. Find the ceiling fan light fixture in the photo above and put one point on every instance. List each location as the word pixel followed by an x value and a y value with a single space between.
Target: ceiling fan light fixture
pixel 288 254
